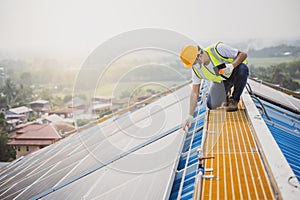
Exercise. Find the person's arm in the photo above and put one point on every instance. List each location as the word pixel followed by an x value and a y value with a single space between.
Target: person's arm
pixel 193 102
pixel 241 56
pixel 194 98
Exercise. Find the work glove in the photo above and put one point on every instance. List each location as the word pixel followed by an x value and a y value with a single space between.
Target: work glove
pixel 187 122
pixel 226 71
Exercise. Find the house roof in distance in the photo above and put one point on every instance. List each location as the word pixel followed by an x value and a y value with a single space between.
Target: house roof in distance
pixel 36 131
pixel 20 110
pixel 53 118
pixel 39 102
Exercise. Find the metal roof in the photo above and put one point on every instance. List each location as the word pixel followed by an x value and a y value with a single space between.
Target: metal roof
pixel 53 118
pixel 283 121
pixel 285 129
pixel 20 110
pixel 39 102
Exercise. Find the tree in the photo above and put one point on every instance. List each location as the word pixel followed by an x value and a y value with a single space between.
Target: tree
pixel 26 78
pixel 3 101
pixel 294 69
pixel 7 153
pixel 67 98
pixel 45 94
pixel 10 91
pixel 2 122
pixel 280 76
pixel 283 74
pixel 15 95
pixel 277 75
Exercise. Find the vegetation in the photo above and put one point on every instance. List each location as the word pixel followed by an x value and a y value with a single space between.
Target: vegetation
pixel 7 153
pixel 275 51
pixel 104 112
pixel 269 61
pixel 284 74
pixel 14 95
pixel 82 122
pixel 126 89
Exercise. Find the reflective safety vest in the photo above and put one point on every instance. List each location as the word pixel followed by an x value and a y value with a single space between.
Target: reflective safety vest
pixel 216 59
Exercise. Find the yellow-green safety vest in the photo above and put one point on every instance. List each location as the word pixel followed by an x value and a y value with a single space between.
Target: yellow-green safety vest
pixel 216 59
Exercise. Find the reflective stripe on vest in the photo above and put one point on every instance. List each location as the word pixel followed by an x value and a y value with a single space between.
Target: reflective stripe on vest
pixel 216 58
pixel 204 72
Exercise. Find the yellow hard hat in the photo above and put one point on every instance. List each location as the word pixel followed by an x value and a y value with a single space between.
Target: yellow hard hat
pixel 188 55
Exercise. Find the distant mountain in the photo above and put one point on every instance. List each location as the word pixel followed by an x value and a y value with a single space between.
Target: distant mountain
pixel 275 51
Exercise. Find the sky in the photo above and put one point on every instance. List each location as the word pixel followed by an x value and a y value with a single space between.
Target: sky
pixel 76 27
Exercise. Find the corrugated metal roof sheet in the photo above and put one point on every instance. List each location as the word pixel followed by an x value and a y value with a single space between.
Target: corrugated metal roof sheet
pixel 285 128
pixel 20 110
pixel 283 120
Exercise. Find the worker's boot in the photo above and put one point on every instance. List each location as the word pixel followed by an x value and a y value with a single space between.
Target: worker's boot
pixel 232 105
pixel 226 102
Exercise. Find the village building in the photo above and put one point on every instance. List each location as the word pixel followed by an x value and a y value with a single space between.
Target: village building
pixel 102 99
pixel 40 107
pixel 22 110
pixel 63 113
pixel 33 137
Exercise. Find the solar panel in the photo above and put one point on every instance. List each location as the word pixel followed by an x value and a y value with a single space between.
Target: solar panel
pixel 105 150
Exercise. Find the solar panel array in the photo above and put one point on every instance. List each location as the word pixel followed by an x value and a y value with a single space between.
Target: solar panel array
pixel 275 96
pixel 135 153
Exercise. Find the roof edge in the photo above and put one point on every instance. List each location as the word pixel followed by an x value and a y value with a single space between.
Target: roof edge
pixel 274 158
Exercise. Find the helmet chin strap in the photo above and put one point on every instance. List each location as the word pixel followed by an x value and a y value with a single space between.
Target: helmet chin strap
pixel 200 50
pixel 205 61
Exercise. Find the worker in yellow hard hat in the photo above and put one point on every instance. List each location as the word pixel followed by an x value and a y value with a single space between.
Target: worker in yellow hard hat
pixel 225 66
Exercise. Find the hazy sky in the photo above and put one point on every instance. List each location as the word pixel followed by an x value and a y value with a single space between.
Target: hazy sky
pixel 79 26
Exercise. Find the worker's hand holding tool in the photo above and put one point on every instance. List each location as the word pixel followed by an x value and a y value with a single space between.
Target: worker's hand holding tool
pixel 187 122
pixel 226 70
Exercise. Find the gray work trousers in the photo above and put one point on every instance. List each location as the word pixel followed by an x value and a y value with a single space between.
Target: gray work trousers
pixel 219 91
pixel 216 96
